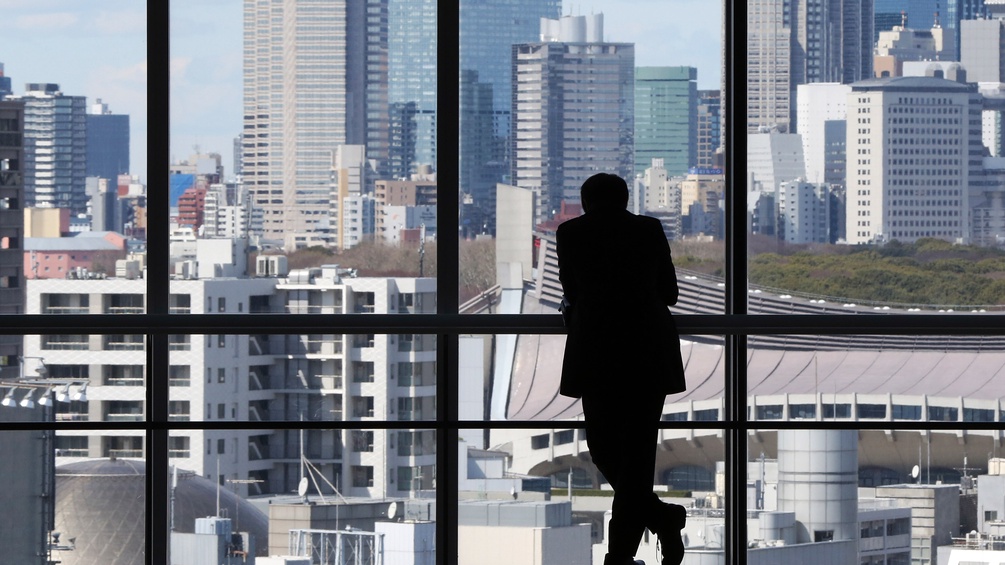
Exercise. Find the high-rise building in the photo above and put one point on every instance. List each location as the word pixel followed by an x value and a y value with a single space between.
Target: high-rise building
pixel 330 91
pixel 107 142
pixel 800 42
pixel 982 50
pixel 709 127
pixel 55 132
pixel 488 31
pixel 910 164
pixel 666 118
pixel 411 60
pixel 573 110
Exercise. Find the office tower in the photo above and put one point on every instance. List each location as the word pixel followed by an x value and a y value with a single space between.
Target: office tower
pixel 982 50
pixel 107 142
pixel 352 196
pixel 800 42
pixel 5 86
pixel 909 174
pixel 573 110
pixel 411 47
pixel 666 118
pixel 709 127
pixel 237 158
pixel 331 90
pixel 55 132
pixel 488 31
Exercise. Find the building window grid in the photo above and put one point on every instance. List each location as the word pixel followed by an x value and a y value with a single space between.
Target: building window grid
pixel 736 325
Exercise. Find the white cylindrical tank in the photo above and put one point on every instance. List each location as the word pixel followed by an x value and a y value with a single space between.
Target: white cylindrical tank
pixel 595 29
pixel 573 29
pixel 818 481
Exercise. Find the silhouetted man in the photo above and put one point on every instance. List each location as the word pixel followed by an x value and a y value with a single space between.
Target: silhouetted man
pixel 622 356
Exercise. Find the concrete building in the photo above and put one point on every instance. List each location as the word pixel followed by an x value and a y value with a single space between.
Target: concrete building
pixel 351 203
pixel 227 212
pixel 773 158
pixel 802 42
pixel 901 44
pixel 666 118
pixel 64 257
pixel 257 377
pixel 293 121
pixel 982 50
pixel 702 195
pixel 404 204
pixel 571 77
pixel 55 148
pixel 804 212
pixel 822 109
pixel 107 142
pixel 910 159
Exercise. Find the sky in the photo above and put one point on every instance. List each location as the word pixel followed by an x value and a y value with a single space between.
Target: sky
pixel 97 49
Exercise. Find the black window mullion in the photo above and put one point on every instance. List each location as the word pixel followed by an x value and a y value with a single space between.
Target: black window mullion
pixel 735 147
pixel 447 281
pixel 158 151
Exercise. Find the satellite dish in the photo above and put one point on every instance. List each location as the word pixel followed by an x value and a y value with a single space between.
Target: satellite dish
pixel 915 472
pixel 302 487
pixel 392 510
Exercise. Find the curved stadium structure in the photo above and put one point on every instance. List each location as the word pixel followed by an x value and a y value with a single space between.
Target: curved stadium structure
pixel 846 378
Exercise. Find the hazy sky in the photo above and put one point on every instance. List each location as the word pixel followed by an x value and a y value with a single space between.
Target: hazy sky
pixel 97 48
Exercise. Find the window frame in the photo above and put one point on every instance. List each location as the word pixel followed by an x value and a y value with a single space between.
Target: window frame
pixel 157 324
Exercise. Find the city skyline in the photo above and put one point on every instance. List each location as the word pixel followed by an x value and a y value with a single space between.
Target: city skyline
pixel 206 48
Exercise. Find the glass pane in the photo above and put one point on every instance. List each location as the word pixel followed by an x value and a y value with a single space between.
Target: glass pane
pixel 860 188
pixel 313 377
pixel 100 497
pixel 892 378
pixel 518 483
pixel 518 377
pixel 596 94
pixel 871 495
pixel 364 490
pixel 334 156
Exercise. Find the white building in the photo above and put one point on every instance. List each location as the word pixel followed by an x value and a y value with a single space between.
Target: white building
pixel 804 212
pixel 257 377
pixel 909 171
pixel 818 106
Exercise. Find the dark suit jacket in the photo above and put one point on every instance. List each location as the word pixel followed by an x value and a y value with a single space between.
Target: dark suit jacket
pixel 619 279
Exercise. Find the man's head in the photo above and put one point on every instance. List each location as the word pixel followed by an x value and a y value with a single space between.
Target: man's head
pixel 604 191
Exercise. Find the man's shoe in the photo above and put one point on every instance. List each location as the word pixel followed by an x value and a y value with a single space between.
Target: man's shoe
pixel 672 520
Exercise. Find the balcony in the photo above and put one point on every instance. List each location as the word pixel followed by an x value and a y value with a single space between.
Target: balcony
pixel 66 343
pixel 66 310
pixel 179 343
pixel 71 417
pixel 124 310
pixel 124 343
pixel 179 453
pixel 126 417
pixel 330 382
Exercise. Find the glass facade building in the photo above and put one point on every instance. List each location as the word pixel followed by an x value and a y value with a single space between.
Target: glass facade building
pixel 666 118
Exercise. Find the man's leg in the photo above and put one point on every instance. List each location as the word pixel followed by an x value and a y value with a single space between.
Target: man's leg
pixel 621 434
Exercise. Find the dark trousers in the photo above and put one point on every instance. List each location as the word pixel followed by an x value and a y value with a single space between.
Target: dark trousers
pixel 621 433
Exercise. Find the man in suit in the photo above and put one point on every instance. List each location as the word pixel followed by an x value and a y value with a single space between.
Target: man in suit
pixel 622 356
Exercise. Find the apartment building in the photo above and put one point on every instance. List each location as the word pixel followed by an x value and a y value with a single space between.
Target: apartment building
pixel 255 378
